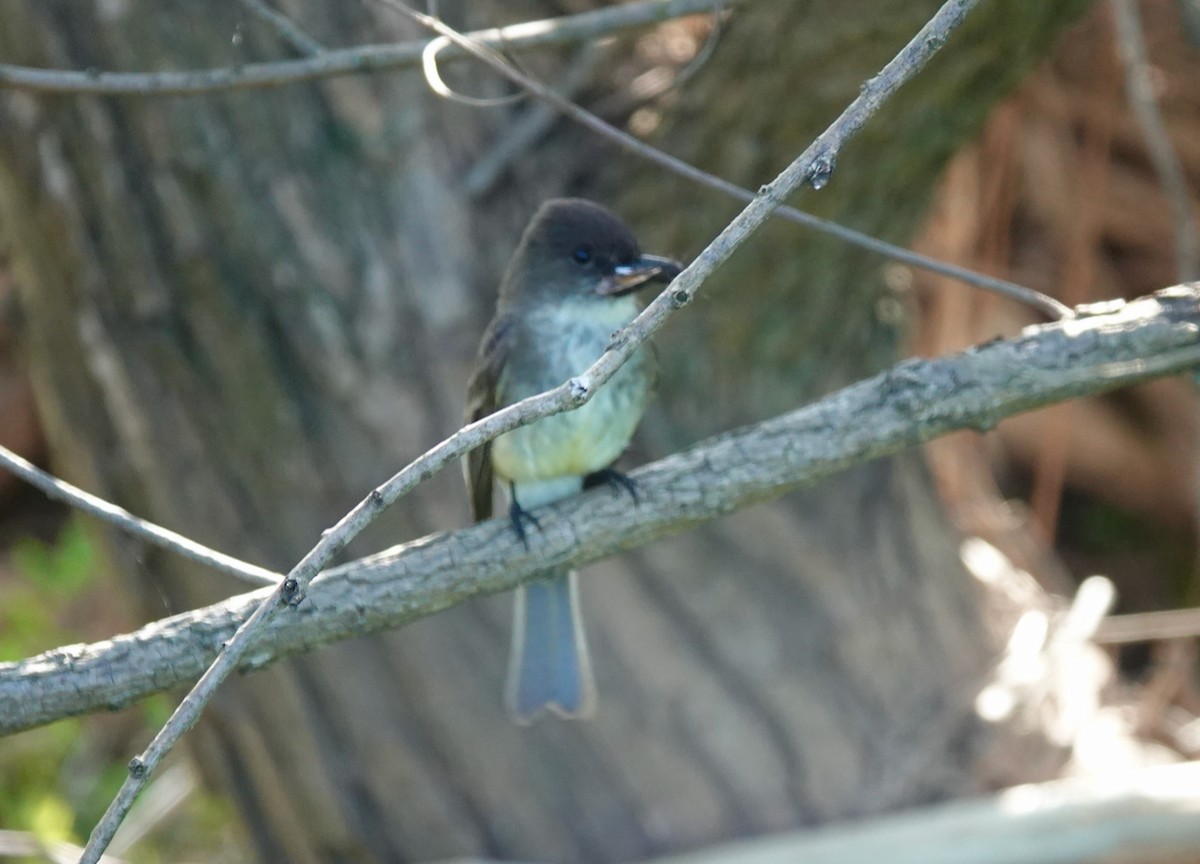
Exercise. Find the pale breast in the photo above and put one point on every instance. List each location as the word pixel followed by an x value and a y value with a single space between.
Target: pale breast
pixel 592 436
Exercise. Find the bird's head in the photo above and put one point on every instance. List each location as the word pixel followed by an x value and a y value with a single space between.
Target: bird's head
pixel 574 249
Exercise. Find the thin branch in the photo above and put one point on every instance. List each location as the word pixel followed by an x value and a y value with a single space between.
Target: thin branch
pixel 1149 626
pixel 156 808
pixel 60 490
pixel 658 82
pixel 183 719
pixel 911 403
pixel 532 125
pixel 1050 307
pixel 813 166
pixel 285 28
pixel 27 846
pixel 527 129
pixel 351 61
pixel 1166 163
pixel 576 28
pixel 433 77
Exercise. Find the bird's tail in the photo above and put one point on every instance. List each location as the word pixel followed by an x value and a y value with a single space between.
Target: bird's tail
pixel 549 668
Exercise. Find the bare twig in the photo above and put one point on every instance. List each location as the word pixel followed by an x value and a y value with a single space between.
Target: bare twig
pixel 285 27
pixel 525 131
pixel 645 89
pixel 351 61
pixel 170 790
pixel 60 490
pixel 433 77
pixel 1166 163
pixel 814 166
pixel 530 126
pixel 1149 626
pixel 1047 305
pixel 586 26
pixel 1171 177
pixel 913 402
pixel 27 846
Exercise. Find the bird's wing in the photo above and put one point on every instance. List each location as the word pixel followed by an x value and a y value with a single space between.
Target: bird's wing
pixel 482 400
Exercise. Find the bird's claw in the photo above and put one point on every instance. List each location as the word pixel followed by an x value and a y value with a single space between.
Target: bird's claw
pixel 615 480
pixel 519 516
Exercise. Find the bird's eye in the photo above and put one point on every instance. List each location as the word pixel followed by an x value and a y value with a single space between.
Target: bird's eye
pixel 582 255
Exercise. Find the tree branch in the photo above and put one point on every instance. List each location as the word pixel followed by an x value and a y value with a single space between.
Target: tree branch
pixel 61 490
pixel 917 400
pixel 351 61
pixel 285 28
pixel 814 166
pixel 1139 85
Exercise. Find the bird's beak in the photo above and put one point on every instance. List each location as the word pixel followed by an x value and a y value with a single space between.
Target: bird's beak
pixel 629 277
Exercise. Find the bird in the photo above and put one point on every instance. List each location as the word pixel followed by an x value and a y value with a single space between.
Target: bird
pixel 570 285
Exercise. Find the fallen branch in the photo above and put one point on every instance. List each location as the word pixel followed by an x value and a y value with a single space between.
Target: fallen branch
pixel 1148 816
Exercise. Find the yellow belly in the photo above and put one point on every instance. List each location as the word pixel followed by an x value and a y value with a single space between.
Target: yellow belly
pixel 575 442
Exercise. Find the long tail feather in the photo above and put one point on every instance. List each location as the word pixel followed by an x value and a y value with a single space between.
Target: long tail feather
pixel 549 668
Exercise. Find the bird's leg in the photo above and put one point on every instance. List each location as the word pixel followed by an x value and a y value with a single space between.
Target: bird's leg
pixel 614 479
pixel 518 515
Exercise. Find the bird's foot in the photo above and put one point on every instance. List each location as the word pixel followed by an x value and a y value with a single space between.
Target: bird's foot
pixel 519 517
pixel 613 479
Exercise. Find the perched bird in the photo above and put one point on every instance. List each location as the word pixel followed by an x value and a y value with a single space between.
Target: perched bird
pixel 569 286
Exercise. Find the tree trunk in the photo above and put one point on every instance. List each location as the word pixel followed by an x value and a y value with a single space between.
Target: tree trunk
pixel 243 310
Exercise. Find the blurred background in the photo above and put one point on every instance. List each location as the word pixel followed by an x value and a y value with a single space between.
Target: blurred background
pixel 768 672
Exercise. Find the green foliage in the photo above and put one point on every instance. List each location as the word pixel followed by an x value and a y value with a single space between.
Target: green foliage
pixel 62 568
pixel 51 576
pixel 57 780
